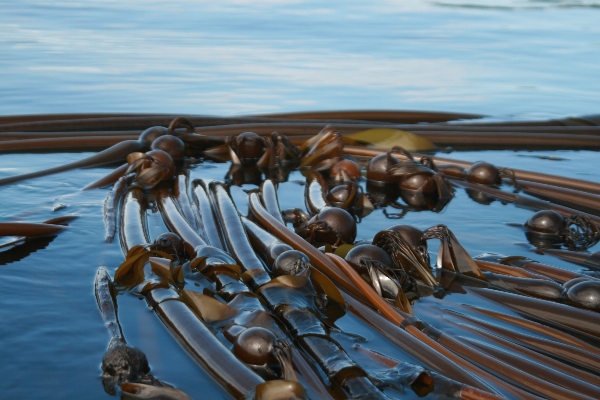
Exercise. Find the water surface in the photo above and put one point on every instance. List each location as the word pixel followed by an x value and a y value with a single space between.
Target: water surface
pixel 504 58
pixel 509 58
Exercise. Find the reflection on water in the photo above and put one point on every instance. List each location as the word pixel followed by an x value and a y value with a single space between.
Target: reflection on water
pixel 502 57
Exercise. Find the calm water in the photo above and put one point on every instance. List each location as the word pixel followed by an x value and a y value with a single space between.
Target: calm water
pixel 507 59
pixel 499 57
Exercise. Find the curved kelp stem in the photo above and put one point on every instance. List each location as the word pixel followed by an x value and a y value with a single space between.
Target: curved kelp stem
pixel 116 153
pixel 317 258
pixel 111 206
pixel 268 194
pixel 218 267
pixel 180 190
pixel 179 318
pixel 108 179
pixel 133 225
pixel 235 236
pixel 304 323
pixel 177 223
pixel 206 215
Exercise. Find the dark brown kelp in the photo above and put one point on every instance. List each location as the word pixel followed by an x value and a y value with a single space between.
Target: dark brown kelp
pixel 570 183
pixel 524 348
pixel 445 340
pixel 177 316
pixel 575 320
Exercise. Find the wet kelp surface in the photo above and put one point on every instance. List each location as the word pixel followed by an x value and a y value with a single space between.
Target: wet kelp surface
pixel 498 325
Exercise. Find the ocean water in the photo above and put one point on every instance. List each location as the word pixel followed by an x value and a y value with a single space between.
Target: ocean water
pixel 505 58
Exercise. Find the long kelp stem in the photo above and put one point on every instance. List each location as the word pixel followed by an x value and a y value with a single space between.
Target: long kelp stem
pixel 116 153
pixel 78 143
pixel 570 353
pixel 403 117
pixel 586 202
pixel 28 229
pixel 387 309
pixel 524 201
pixel 541 359
pixel 575 319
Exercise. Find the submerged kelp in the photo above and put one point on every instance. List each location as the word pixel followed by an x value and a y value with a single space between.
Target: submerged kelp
pixel 267 314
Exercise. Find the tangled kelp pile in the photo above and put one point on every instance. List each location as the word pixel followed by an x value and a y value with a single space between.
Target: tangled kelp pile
pixel 256 303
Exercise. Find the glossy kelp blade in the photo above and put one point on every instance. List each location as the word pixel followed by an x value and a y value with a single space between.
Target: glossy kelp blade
pixel 235 236
pixel 205 348
pixel 132 222
pixel 206 215
pixel 111 208
pixel 566 317
pixel 268 193
pixel 397 319
pixel 180 192
pixel 583 201
pixel 177 223
pixel 541 359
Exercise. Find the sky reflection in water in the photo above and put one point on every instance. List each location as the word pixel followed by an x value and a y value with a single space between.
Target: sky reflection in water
pixel 503 58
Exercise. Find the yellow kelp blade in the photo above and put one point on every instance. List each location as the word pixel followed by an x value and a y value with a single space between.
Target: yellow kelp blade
pixel 210 309
pixel 388 138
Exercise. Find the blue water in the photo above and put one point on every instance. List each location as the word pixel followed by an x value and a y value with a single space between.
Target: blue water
pixel 506 58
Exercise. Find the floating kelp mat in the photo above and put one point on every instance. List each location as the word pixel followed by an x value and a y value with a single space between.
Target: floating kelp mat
pixel 55 337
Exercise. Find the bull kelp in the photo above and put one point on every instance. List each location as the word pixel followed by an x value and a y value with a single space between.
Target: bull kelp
pixel 290 256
